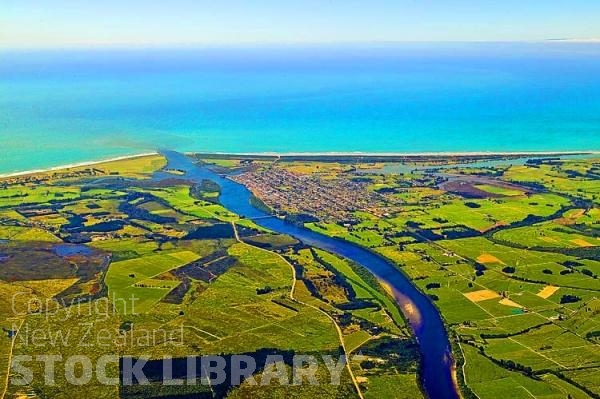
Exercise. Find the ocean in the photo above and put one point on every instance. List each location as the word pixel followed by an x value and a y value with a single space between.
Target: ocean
pixel 66 106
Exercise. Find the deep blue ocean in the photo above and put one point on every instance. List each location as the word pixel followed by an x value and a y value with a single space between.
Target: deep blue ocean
pixel 59 107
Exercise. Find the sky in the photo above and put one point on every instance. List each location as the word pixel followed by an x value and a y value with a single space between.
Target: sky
pixel 85 23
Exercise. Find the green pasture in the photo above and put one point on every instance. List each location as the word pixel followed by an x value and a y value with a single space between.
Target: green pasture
pixel 397 386
pixel 17 233
pixel 363 236
pixel 361 287
pixel 136 278
pixel 36 194
pixel 547 234
pixel 589 378
pixel 528 264
pixel 490 381
pixel 180 199
pixel 508 192
pixel 556 179
pixel 230 317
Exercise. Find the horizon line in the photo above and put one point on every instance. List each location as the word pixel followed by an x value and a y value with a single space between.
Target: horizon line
pixel 208 45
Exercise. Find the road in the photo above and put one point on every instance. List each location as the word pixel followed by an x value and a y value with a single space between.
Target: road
pixel 337 327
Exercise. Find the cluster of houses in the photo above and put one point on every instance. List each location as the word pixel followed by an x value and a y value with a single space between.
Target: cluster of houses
pixel 327 199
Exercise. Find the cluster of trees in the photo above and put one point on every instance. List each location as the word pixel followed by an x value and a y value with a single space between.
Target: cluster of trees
pixel 513 334
pixel 592 334
pixel 511 365
pixel 200 191
pixel 400 354
pixel 589 273
pixel 143 214
pixel 264 290
pixel 480 269
pixel 569 299
pixel 259 204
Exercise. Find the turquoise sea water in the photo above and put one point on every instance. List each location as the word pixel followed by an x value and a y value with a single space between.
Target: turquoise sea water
pixel 59 107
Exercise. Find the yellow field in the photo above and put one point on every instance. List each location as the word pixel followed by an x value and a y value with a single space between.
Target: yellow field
pixel 582 243
pixel 139 167
pixel 307 168
pixel 481 295
pixel 508 302
pixel 549 239
pixel 488 258
pixel 48 288
pixel 570 217
pixel 547 291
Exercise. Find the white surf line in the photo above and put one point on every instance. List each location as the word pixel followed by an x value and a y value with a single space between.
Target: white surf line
pixel 77 165
pixel 401 154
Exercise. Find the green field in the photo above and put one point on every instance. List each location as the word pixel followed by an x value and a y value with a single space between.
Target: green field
pixel 136 278
pixel 512 267
pixel 499 190
pixel 548 234
pixel 17 233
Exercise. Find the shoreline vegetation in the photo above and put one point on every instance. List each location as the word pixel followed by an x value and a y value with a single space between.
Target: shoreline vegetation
pixel 77 165
pixel 323 156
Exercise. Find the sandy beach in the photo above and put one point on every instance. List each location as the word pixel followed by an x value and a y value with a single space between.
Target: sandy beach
pixel 75 165
pixel 405 154
pixel 315 154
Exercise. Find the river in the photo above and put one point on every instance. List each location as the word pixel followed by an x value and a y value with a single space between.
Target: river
pixel 437 362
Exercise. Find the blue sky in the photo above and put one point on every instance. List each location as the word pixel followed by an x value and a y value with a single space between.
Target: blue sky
pixel 67 23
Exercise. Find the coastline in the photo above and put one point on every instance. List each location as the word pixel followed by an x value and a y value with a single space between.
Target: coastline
pixel 76 165
pixel 439 154
pixel 400 154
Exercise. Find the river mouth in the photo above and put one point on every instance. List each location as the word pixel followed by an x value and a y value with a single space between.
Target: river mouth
pixel 437 372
